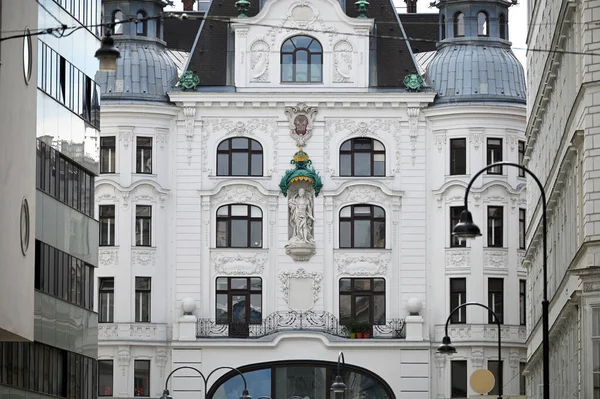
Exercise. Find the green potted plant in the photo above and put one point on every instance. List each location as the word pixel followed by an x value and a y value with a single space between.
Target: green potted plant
pixel 366 329
pixel 354 328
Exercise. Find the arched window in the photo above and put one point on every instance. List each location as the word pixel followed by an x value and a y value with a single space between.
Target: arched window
pixel 503 27
pixel 141 26
pixel 362 157
pixel 239 157
pixel 443 35
pixel 116 18
pixel 302 60
pixel 300 379
pixel 459 24
pixel 482 24
pixel 362 226
pixel 239 226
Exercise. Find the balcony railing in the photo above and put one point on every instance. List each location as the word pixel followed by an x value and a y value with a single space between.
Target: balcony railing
pixel 286 321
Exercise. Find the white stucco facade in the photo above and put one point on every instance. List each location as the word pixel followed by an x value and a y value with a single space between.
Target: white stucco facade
pixel 185 191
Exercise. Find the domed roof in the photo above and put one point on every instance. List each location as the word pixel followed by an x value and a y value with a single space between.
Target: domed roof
pixel 473 72
pixel 144 72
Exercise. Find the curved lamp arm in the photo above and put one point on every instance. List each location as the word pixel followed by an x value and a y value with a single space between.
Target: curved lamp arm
pixel 228 368
pixel 340 356
pixel 545 302
pixel 205 379
pixel 181 368
pixel 497 321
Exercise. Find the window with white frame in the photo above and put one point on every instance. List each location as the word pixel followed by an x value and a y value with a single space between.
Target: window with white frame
pixel 108 150
pixel 496 299
pixel 522 227
pixel 495 227
pixel 143 225
pixel 455 241
pixel 362 157
pixel 107 225
pixel 143 155
pixel 496 368
pixel 362 226
pixel 239 226
pixel 106 302
pixel 458 296
pixel 523 302
pixel 143 291
pixel 458 369
pixel 458 156
pixel 494 154
pixel 521 157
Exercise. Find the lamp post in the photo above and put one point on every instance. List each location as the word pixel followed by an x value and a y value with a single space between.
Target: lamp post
pixel 245 394
pixel 446 347
pixel 338 386
pixel 465 228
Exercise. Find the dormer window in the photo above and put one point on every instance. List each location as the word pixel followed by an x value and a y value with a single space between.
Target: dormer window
pixel 482 24
pixel 459 24
pixel 301 60
pixel 117 17
pixel 502 27
pixel 141 27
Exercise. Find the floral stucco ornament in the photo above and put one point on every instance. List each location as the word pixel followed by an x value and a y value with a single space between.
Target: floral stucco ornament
pixel 189 81
pixel 413 82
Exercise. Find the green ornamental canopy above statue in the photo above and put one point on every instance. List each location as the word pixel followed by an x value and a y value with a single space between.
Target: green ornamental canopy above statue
pixel 303 171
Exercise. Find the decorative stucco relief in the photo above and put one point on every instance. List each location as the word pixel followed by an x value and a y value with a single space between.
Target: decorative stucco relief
pixel 108 330
pixel 362 264
pixel 301 21
pixel 243 264
pixel 143 257
pixel 342 62
pixel 162 137
pixel 108 257
pixel 413 129
pixel 362 194
pixel 456 258
pixel 301 119
pixel 126 135
pixel 476 137
pixel 591 286
pixel 285 276
pixel 123 359
pixel 237 193
pixel 259 61
pixel 160 358
pixel 189 116
pixel 440 140
pixel 477 358
pixel 141 331
pixel 238 128
pixel 495 259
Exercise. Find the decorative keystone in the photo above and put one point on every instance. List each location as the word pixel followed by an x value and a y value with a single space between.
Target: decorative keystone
pixel 362 6
pixel 189 81
pixel 242 6
pixel 413 82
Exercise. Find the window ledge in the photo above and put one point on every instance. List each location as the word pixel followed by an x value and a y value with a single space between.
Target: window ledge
pixel 268 177
pixel 144 175
pixel 387 177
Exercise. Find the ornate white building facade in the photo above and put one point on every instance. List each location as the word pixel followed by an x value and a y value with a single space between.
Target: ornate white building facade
pixel 202 263
pixel 561 151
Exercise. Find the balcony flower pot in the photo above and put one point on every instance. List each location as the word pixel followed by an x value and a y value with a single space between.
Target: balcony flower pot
pixel 366 334
pixel 352 335
pixel 359 335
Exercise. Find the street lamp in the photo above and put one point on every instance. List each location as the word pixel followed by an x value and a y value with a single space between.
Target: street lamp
pixel 245 394
pixel 447 348
pixel 465 228
pixel 107 54
pixel 338 386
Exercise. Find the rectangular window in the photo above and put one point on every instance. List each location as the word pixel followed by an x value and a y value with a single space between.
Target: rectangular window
pixel 107 225
pixel 522 302
pixel 143 156
pixel 521 228
pixel 496 299
pixel 106 300
pixel 105 378
pixel 496 368
pixel 459 379
pixel 141 378
pixel 596 351
pixel 143 225
pixel 521 157
pixel 362 300
pixel 522 380
pixel 107 154
pixel 458 296
pixel 142 299
pixel 239 303
pixel 494 154
pixel 495 226
pixel 454 218
pixel 458 156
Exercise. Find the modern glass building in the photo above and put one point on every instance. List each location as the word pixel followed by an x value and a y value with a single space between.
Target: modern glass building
pixel 59 359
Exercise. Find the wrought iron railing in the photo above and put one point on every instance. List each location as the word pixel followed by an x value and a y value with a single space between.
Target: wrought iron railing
pixel 324 322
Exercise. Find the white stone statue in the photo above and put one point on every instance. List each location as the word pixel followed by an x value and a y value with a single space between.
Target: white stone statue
pixel 301 217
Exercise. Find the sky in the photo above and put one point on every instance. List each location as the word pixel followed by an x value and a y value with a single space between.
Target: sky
pixel 517 23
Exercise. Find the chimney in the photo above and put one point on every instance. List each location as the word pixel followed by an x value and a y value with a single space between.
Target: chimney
pixel 411 6
pixel 188 5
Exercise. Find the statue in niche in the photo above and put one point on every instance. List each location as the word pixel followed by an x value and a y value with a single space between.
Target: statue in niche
pixel 301 217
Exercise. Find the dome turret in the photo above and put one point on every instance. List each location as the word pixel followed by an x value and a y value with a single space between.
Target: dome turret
pixel 145 72
pixel 474 61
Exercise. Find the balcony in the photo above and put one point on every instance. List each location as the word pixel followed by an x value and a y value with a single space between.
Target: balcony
pixel 132 331
pixel 292 321
pixel 511 334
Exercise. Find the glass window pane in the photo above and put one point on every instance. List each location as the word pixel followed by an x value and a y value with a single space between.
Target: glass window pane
pixel 256 308
pixel 255 145
pixel 256 234
pixel 362 307
pixel 239 233
pixel 379 309
pixel 238 308
pixel 221 234
pixel 222 283
pixel 223 211
pixel 256 212
pixel 345 234
pixel 256 164
pixel 346 212
pixel 302 41
pixel 239 164
pixel 379 284
pixel 301 66
pixel 287 68
pixel 239 210
pixel 362 234
pixel 239 283
pixel 345 284
pixel 288 46
pixel 223 146
pixel 315 46
pixel 345 165
pixel 362 284
pixel 316 69
pixel 379 234
pixel 362 210
pixel 378 212
pixel 221 308
pixel 377 146
pixel 347 146
pixel 222 164
pixel 345 308
pixel 362 164
pixel 256 284
pixel 239 143
pixel 363 144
